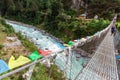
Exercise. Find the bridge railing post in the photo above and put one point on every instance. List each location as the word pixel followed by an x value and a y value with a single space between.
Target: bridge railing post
pixel 28 74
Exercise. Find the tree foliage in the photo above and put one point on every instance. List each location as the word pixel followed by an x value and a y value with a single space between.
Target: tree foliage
pixel 56 16
pixel 103 8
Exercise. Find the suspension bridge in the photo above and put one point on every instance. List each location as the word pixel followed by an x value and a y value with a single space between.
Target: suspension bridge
pixel 102 66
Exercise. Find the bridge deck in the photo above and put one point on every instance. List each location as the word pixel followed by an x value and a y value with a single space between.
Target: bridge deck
pixel 103 64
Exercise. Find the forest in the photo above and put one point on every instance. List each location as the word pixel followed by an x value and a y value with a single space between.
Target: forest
pixel 57 17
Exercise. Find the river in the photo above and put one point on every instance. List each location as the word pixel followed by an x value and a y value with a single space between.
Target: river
pixel 70 64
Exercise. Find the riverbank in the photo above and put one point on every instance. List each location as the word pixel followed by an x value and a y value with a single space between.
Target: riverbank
pixel 14 44
pixel 35 28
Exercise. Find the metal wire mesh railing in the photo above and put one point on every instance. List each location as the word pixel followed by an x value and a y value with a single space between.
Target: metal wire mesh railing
pixel 102 66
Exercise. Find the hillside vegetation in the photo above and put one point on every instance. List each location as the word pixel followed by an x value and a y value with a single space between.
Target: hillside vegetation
pixel 57 18
pixel 41 72
pixel 54 16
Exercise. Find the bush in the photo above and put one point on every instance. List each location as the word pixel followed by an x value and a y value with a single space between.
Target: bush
pixel 96 25
pixel 8 29
pixel 1 46
pixel 28 44
pixel 42 73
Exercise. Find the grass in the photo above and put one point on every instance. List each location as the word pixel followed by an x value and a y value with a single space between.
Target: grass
pixel 118 24
pixel 106 21
pixel 2 35
pixel 25 49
